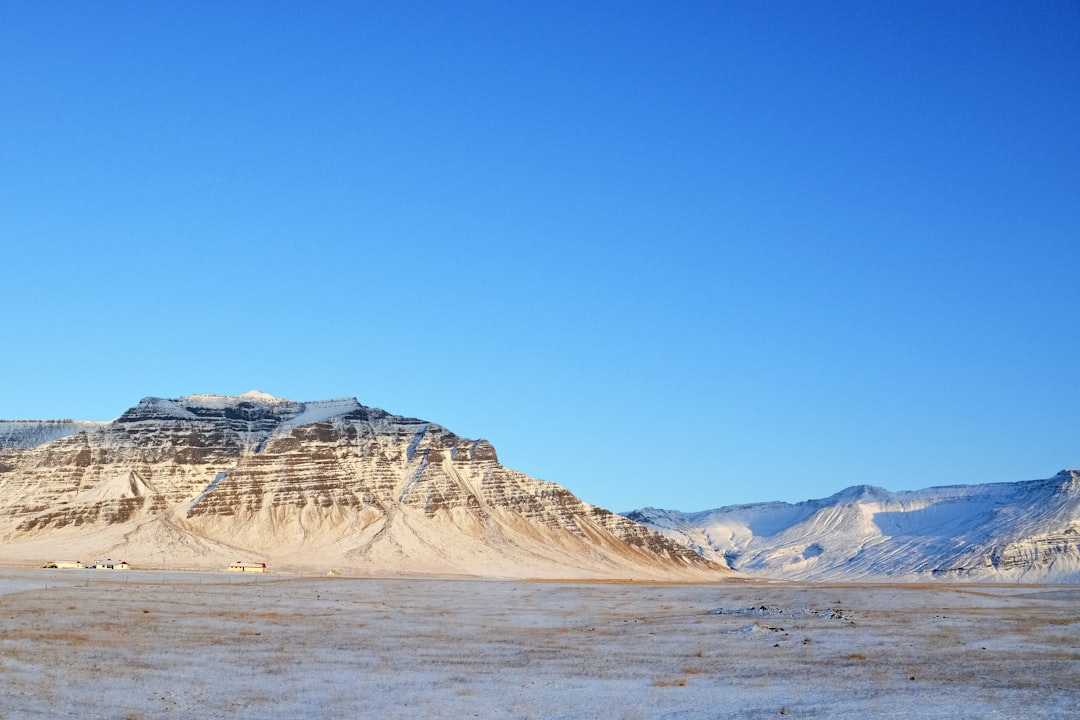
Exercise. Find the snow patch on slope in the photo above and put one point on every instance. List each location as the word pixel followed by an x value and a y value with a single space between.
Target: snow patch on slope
pixel 157 409
pixel 319 411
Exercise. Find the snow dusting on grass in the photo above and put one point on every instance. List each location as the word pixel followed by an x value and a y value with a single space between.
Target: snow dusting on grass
pixel 141 644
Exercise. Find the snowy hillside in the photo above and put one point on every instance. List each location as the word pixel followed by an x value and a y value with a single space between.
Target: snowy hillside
pixel 30 433
pixel 1023 531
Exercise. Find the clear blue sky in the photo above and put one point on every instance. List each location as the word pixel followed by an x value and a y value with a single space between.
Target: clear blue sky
pixel 674 254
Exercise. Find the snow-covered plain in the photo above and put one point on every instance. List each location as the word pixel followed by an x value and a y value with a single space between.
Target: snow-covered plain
pixel 142 644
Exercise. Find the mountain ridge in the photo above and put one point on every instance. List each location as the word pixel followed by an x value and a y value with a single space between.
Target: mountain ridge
pixel 1027 530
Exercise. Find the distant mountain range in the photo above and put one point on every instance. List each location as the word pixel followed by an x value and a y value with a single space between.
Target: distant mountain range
pixel 1023 531
pixel 206 480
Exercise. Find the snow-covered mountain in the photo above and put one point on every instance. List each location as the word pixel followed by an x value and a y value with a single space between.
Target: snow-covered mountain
pixel 1023 531
pixel 204 480
pixel 28 433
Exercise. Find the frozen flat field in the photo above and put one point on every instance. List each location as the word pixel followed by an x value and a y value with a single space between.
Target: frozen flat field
pixel 143 644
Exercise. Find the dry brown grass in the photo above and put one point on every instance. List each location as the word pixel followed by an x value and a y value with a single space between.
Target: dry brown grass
pixel 62 637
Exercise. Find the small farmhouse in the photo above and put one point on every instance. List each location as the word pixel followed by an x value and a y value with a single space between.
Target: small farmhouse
pixel 239 566
pixel 63 564
pixel 111 565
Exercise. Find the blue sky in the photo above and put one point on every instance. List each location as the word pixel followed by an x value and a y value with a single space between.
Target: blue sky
pixel 670 254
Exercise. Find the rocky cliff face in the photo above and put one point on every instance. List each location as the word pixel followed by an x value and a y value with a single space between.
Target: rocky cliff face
pixel 205 480
pixel 1024 531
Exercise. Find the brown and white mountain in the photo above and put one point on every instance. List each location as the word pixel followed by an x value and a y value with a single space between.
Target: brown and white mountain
pixel 204 480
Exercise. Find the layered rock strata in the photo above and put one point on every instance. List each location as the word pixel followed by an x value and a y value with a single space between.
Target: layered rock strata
pixel 201 480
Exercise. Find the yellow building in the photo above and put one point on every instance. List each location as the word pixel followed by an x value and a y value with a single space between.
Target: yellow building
pixel 247 567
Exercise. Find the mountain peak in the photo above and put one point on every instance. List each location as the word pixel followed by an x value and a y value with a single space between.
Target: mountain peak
pixel 861 493
pixel 211 400
pixel 258 395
